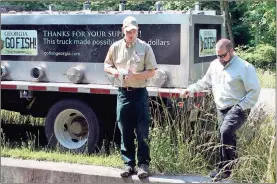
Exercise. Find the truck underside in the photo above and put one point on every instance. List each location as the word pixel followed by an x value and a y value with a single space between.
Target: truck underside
pixel 40 103
pixel 81 118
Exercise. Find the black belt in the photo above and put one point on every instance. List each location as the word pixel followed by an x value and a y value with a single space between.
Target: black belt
pixel 226 109
pixel 229 108
pixel 128 88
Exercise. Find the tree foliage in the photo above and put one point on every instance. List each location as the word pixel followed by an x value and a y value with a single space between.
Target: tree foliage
pixel 252 22
pixel 260 20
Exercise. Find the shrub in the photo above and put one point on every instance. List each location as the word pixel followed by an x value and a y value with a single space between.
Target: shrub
pixel 262 56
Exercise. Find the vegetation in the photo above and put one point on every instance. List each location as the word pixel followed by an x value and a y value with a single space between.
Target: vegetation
pixel 262 56
pixel 178 146
pixel 28 151
pixel 267 78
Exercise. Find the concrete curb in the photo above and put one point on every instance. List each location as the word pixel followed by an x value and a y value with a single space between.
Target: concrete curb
pixel 32 171
pixel 266 102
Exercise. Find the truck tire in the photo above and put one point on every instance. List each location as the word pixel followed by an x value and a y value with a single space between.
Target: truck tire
pixel 71 125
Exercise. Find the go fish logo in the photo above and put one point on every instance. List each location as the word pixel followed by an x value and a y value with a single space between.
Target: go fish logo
pixel 19 42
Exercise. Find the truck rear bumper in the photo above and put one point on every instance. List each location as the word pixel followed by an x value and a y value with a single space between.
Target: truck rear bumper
pixel 88 88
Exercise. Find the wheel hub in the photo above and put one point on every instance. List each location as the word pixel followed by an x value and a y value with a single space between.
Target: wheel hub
pixel 79 127
pixel 71 129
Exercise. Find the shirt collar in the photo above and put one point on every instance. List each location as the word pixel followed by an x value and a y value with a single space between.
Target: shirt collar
pixel 230 62
pixel 130 45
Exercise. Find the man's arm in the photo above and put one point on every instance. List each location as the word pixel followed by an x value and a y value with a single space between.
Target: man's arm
pixel 201 84
pixel 109 66
pixel 252 86
pixel 112 71
pixel 143 75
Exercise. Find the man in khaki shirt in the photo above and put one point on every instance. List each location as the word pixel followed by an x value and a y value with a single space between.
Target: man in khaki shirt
pixel 131 61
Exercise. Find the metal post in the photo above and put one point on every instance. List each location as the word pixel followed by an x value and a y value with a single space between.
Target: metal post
pixel 121 7
pixel 158 6
pixel 86 5
pixel 52 7
pixel 197 6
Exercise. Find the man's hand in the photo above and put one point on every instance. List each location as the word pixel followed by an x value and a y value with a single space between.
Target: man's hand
pixel 112 71
pixel 130 75
pixel 115 73
pixel 184 93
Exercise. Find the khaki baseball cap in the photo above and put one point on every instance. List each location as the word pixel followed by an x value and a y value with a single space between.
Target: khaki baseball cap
pixel 130 23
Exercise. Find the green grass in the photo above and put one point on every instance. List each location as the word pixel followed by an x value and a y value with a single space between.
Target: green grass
pixel 44 155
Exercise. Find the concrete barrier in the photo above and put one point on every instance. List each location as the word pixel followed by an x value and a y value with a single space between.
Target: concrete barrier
pixel 266 104
pixel 31 171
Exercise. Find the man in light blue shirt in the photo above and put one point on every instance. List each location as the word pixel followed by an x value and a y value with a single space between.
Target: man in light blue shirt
pixel 236 88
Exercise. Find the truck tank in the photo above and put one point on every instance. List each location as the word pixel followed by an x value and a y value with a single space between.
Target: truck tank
pixel 52 46
pixel 52 65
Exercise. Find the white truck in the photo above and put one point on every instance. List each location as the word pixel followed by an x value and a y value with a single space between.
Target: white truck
pixel 52 65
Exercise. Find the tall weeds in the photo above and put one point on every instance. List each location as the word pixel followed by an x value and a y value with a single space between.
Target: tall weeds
pixel 181 144
pixel 10 117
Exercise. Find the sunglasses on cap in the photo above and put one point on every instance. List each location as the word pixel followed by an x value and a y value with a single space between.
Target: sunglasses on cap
pixel 223 55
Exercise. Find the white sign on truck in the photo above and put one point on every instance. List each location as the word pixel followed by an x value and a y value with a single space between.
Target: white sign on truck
pixel 207 41
pixel 19 42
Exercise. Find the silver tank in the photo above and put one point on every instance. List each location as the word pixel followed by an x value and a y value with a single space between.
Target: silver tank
pixel 70 47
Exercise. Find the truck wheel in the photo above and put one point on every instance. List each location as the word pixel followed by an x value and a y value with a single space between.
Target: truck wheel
pixel 72 125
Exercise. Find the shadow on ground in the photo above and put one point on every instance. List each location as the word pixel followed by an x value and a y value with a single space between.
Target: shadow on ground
pixel 19 133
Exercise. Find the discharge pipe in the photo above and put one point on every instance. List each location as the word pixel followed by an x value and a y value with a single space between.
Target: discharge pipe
pixel 37 72
pixel 75 74
pixel 4 71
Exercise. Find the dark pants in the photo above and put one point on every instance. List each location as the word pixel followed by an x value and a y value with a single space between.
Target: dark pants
pixel 133 115
pixel 230 120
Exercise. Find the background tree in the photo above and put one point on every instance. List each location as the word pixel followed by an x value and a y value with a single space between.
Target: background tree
pixel 250 24
pixel 259 17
